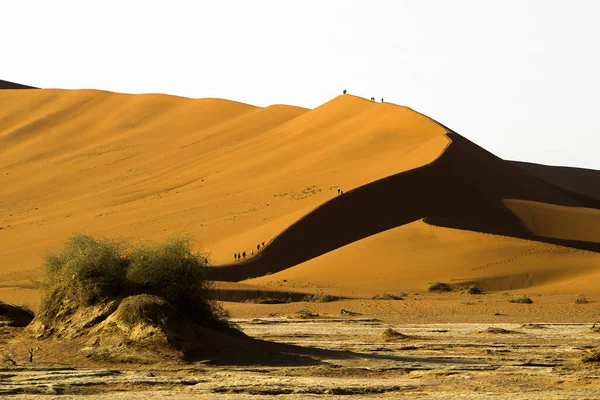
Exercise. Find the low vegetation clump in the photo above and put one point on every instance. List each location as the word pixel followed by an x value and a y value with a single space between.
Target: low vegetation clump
pixel 581 300
pixel 471 289
pixel 320 297
pixel 306 313
pixel 498 331
pixel 89 272
pixel 439 287
pixel 521 300
pixel 387 296
pixel 391 334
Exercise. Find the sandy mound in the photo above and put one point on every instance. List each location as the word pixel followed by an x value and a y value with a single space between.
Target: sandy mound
pixel 141 328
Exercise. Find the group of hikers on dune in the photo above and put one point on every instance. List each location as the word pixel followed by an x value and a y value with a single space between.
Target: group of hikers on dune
pixel 372 98
pixel 242 256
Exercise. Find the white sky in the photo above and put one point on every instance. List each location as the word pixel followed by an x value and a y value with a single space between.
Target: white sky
pixel 519 78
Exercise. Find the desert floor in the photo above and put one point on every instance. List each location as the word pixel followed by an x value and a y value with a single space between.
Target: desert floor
pixel 465 346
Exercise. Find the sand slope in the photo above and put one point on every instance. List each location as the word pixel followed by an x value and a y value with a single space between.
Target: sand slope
pixel 410 257
pixel 147 166
pixel 233 175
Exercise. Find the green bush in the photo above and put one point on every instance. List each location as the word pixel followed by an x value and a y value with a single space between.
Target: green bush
pixel 439 287
pixel 90 271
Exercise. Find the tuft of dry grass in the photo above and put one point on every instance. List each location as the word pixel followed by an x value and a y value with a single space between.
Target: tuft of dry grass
pixel 581 299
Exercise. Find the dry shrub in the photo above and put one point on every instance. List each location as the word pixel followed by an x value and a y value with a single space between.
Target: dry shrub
pixel 84 272
pixel 471 289
pixel 172 271
pixel 89 271
pixel 319 297
pixel 581 300
pixel 391 334
pixel 387 296
pixel 439 287
pixel 521 300
pixel 306 313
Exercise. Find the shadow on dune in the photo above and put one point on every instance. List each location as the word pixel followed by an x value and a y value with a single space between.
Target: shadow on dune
pixel 12 85
pixel 464 187
pixel 578 180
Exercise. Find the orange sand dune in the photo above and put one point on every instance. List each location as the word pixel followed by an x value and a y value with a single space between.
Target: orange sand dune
pixel 466 186
pixel 233 175
pixel 410 257
pixel 149 166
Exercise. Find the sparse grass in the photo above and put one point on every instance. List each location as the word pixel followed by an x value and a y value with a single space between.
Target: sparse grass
pixel 269 300
pixel 523 299
pixel 498 331
pixel 89 271
pixel 581 299
pixel 388 296
pixel 319 297
pixel 471 289
pixel 439 287
pixel 391 334
pixel 306 313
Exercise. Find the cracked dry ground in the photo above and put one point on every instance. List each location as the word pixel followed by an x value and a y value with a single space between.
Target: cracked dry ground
pixel 533 361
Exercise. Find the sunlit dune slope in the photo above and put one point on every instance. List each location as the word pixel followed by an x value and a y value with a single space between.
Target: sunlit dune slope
pixel 410 257
pixel 149 166
pixel 466 186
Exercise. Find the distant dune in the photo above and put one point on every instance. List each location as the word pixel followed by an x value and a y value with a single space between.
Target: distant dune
pixel 12 85
pixel 143 167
